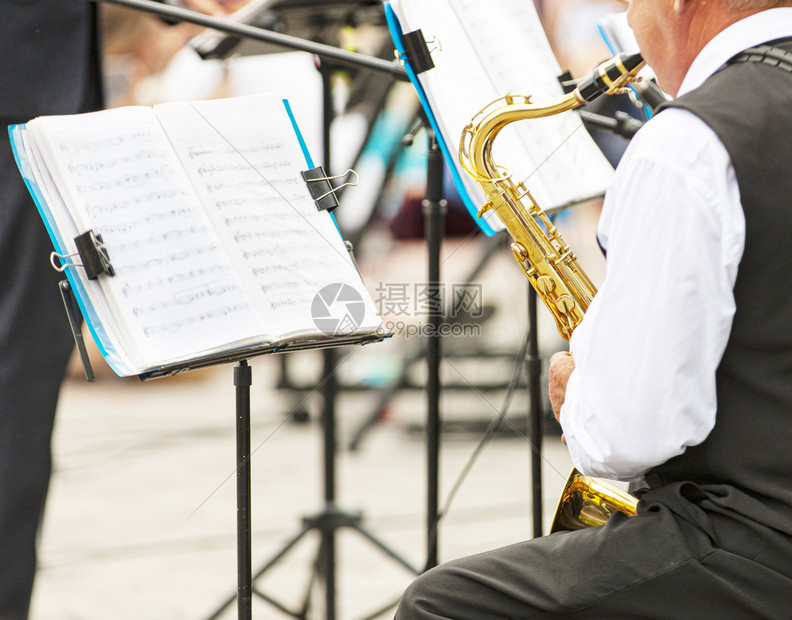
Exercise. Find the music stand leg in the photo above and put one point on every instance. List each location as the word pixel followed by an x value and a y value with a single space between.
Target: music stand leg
pixel 242 383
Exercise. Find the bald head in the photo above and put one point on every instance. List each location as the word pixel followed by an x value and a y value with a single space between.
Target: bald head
pixel 750 5
pixel 671 33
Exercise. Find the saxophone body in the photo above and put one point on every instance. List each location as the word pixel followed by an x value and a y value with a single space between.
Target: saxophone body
pixel 547 261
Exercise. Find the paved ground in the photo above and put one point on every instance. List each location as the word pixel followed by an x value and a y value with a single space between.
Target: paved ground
pixel 141 521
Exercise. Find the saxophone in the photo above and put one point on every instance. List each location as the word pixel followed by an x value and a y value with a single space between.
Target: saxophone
pixel 547 261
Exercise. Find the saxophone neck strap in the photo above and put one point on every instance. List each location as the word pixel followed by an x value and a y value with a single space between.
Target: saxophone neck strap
pixel 767 55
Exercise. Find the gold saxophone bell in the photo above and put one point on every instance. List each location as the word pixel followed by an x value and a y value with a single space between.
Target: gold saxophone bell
pixel 548 263
pixel 589 502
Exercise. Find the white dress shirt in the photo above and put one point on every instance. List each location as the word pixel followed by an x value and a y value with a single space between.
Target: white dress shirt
pixel 673 226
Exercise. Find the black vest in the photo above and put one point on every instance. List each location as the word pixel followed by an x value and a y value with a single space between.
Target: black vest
pixel 746 461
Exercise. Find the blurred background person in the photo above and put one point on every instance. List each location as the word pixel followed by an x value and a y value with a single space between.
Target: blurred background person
pixel 51 64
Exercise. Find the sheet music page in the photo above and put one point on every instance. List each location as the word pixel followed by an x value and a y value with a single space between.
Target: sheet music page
pixel 173 289
pixel 244 159
pixel 483 51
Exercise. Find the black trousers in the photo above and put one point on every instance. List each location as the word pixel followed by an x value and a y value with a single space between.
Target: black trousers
pixel 35 343
pixel 663 564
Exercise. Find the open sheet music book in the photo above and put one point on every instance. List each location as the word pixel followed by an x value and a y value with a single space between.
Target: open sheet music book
pixel 214 240
pixel 482 51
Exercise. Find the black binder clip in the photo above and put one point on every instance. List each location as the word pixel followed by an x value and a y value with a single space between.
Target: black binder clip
pixel 322 192
pixel 418 52
pixel 93 254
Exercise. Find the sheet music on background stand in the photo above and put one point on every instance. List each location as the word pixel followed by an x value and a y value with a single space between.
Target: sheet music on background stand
pixel 561 164
pixel 618 36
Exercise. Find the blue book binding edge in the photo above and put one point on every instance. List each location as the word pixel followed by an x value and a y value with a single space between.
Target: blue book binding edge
pixel 396 34
pixel 100 336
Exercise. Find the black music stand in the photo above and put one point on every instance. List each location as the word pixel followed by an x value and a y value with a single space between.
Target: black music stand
pixel 330 518
pixel 242 383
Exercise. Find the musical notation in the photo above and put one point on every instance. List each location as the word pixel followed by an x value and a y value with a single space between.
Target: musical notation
pixel 261 210
pixel 197 319
pixel 108 142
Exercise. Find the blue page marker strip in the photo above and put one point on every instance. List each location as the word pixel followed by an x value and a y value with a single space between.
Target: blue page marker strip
pixel 396 34
pixel 306 153
pixel 607 41
pixel 300 139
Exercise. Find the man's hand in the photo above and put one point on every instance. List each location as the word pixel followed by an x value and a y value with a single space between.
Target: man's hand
pixel 561 366
pixel 215 8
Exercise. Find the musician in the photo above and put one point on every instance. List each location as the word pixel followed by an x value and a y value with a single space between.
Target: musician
pixel 49 64
pixel 681 370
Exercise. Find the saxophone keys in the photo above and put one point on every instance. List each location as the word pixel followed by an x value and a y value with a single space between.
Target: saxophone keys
pixel 565 304
pixel 519 251
pixel 521 254
pixel 545 285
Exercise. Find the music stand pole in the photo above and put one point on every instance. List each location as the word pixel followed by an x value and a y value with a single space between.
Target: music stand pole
pixel 242 383
pixel 434 207
pixel 533 363
pixel 329 388
pixel 337 55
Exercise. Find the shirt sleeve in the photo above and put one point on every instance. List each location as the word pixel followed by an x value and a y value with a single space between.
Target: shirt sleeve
pixel 648 347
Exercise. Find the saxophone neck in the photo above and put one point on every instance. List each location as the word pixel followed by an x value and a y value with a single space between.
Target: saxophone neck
pixel 480 134
pixel 539 248
pixel 610 78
